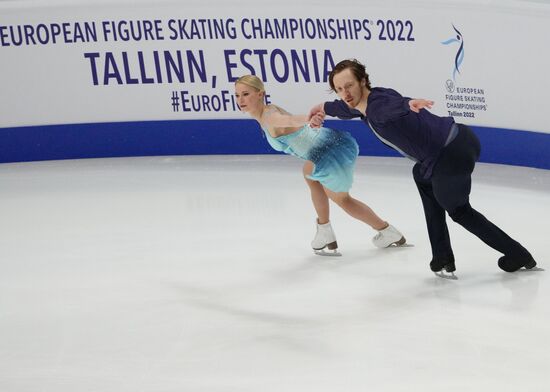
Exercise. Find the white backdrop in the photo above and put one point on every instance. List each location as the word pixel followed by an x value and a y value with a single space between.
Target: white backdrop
pixel 501 80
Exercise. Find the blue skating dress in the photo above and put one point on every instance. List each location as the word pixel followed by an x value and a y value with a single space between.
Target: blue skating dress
pixel 333 153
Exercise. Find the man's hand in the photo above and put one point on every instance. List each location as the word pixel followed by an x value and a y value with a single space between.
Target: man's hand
pixel 316 116
pixel 316 121
pixel 417 104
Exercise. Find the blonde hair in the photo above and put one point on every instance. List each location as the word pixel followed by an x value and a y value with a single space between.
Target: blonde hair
pixel 251 81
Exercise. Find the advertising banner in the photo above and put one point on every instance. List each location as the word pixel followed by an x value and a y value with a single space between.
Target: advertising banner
pixel 104 63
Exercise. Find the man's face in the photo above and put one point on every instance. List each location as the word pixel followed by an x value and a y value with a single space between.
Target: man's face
pixel 348 88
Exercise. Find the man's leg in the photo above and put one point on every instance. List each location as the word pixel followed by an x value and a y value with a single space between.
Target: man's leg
pixel 452 181
pixel 442 253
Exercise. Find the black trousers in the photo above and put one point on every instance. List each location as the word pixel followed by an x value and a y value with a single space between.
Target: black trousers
pixel 448 190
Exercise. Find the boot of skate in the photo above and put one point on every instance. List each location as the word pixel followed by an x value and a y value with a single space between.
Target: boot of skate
pixel 514 263
pixel 444 267
pixel 388 237
pixel 324 238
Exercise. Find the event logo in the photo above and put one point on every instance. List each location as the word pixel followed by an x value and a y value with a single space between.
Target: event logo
pixel 460 53
pixel 450 86
pixel 462 101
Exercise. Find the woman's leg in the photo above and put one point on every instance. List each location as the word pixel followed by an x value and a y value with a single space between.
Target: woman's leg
pixel 324 236
pixel 357 209
pixel 318 195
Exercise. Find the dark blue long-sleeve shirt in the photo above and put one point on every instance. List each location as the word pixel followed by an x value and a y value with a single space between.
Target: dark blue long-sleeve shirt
pixel 419 136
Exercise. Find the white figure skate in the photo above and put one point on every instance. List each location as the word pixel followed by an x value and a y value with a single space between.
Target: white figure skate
pixel 389 236
pixel 325 238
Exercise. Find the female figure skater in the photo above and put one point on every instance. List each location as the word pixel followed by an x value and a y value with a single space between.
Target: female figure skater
pixel 330 160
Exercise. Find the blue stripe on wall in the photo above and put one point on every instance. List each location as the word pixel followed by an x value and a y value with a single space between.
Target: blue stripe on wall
pixel 194 137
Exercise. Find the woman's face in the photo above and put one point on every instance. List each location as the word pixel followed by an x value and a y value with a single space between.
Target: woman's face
pixel 248 98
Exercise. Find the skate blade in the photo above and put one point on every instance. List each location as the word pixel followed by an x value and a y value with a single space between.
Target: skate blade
pixel 323 252
pixel 448 275
pixel 397 245
pixel 523 269
pixel 402 243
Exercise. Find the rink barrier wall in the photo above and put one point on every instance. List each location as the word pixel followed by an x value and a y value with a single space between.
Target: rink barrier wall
pixel 219 137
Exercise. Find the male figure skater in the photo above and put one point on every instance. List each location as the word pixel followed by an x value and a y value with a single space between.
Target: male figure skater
pixel 445 154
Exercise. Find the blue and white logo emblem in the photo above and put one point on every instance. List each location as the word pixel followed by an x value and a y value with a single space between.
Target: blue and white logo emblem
pixel 460 53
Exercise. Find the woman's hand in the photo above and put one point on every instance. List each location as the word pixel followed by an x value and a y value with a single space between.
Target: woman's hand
pixel 317 109
pixel 317 120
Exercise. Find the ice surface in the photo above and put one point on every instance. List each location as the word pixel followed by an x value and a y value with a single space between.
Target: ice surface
pixel 195 274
